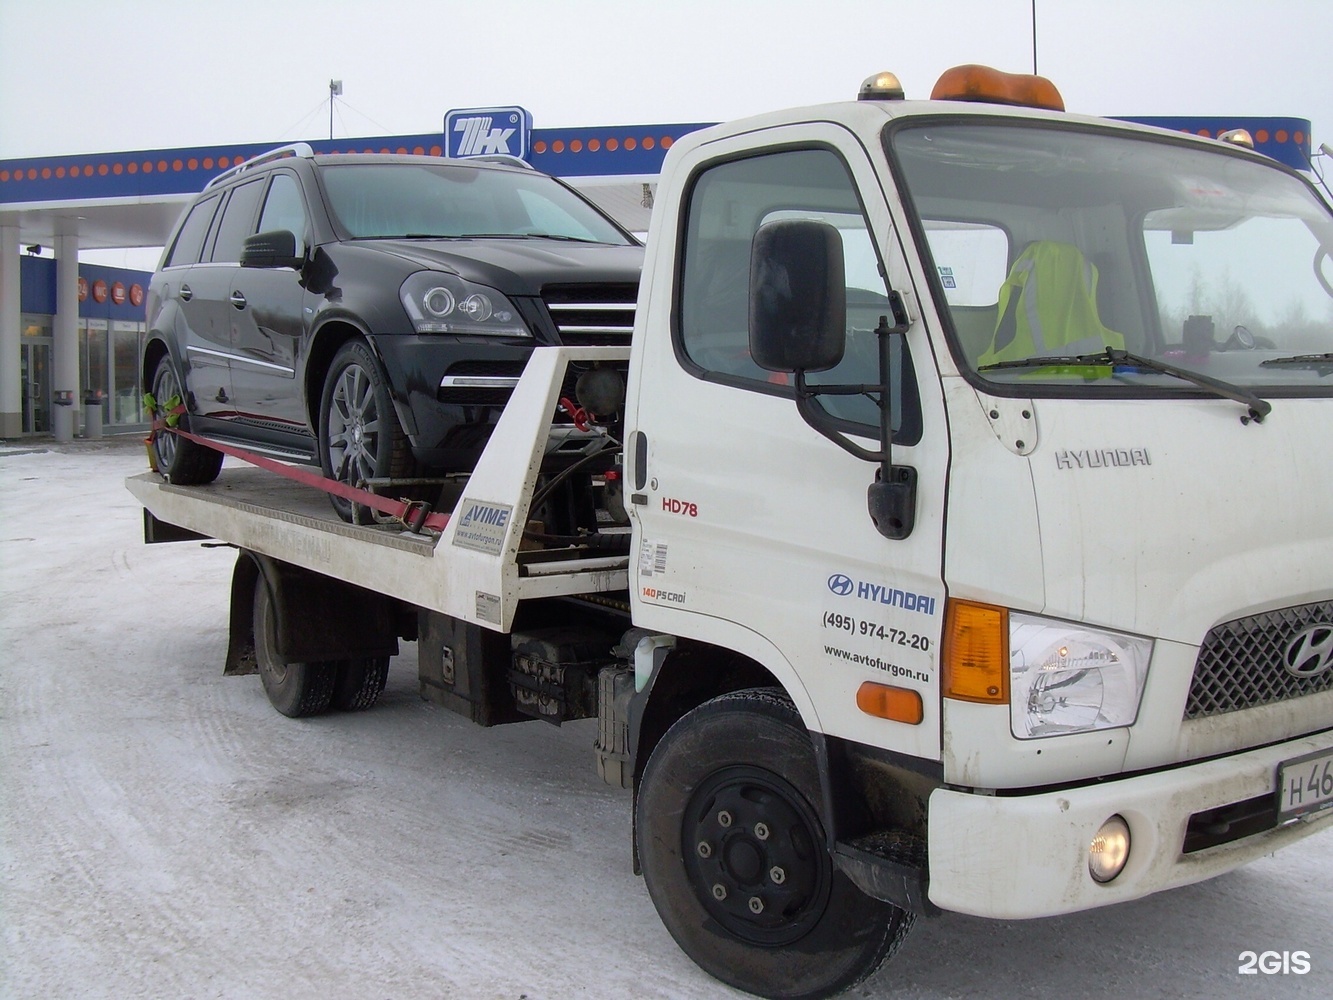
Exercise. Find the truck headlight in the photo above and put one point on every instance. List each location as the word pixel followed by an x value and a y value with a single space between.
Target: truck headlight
pixel 1065 678
pixel 446 303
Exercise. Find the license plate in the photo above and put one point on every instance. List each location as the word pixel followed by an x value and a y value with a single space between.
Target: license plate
pixel 1304 784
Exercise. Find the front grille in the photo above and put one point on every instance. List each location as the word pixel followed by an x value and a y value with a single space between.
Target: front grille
pixel 1242 663
pixel 592 314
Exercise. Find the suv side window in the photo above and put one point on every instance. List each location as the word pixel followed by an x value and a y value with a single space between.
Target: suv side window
pixel 284 207
pixel 190 239
pixel 727 205
pixel 238 220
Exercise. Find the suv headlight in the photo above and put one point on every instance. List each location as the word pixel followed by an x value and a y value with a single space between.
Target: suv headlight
pixel 1065 678
pixel 445 303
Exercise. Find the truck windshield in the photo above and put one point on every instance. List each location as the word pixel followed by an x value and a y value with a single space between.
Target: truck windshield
pixel 451 201
pixel 1056 242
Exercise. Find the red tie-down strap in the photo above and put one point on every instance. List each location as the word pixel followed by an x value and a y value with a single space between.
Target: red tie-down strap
pixel 414 514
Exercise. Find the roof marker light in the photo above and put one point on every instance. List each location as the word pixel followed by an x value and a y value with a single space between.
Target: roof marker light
pixel 1237 137
pixel 880 87
pixel 983 83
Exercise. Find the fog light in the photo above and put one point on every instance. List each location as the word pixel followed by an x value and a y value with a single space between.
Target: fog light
pixel 1109 850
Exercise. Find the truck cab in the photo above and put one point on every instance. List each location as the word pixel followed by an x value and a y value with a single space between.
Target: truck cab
pixel 1099 662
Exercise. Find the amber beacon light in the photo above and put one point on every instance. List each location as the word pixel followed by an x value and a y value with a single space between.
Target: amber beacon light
pixel 991 86
pixel 880 87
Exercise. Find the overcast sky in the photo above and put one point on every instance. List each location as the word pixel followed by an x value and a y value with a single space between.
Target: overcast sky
pixel 81 76
pixel 87 76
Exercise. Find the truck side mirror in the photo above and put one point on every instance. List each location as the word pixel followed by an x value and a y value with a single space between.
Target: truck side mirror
pixel 276 248
pixel 798 296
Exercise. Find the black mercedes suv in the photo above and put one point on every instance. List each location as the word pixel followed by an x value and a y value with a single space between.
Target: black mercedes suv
pixel 372 313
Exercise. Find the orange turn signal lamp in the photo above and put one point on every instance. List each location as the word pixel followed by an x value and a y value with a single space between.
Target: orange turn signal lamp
pixel 885 701
pixel 975 660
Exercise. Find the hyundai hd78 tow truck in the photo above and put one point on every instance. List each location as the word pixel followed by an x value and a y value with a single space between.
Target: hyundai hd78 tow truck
pixel 962 539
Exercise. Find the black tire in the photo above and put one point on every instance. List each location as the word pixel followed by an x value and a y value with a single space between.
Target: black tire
pixel 357 683
pixel 359 434
pixel 294 689
pixel 735 858
pixel 181 462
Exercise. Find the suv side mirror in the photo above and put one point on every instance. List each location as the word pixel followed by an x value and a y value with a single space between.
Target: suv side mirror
pixel 276 248
pixel 798 296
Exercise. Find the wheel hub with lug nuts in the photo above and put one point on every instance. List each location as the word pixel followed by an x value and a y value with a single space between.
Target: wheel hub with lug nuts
pixel 756 855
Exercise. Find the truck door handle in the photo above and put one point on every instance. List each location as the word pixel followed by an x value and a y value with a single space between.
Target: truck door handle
pixel 186 294
pixel 238 299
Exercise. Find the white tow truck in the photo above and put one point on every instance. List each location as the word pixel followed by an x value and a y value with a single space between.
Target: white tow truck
pixel 962 539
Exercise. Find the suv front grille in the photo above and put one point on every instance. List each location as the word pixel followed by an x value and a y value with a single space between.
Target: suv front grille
pixel 1242 663
pixel 592 314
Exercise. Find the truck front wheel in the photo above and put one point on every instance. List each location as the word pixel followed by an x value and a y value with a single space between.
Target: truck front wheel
pixel 736 860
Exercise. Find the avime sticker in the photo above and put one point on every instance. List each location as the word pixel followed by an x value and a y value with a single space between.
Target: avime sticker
pixel 482 526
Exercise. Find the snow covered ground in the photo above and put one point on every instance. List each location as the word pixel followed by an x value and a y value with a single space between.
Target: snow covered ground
pixel 165 833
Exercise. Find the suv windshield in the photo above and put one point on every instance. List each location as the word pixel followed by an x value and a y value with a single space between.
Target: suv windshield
pixel 1049 242
pixel 407 200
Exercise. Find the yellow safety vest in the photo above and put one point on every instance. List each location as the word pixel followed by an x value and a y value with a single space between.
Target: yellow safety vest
pixel 1048 305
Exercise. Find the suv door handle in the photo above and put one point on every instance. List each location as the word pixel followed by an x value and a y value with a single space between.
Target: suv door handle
pixel 186 294
pixel 238 299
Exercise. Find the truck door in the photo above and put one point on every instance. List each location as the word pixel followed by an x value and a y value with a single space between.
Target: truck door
pixel 752 530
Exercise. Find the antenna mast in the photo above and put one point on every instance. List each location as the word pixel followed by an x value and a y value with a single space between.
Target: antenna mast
pixel 336 89
pixel 1034 39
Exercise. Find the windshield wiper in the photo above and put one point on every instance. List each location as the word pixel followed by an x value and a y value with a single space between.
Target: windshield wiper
pixel 1259 408
pixel 1321 363
pixel 525 236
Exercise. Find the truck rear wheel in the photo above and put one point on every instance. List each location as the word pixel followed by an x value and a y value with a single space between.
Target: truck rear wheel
pixel 736 859
pixel 357 683
pixel 294 689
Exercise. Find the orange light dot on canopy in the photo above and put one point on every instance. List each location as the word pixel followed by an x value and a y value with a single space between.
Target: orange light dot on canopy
pixel 984 83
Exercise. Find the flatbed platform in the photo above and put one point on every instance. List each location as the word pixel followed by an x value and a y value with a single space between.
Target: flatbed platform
pixel 264 494
pixel 477 570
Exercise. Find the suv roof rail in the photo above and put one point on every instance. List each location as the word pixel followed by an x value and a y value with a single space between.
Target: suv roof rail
pixel 508 159
pixel 301 149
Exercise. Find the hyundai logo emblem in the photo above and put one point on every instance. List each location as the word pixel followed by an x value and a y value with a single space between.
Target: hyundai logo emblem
pixel 1308 655
pixel 840 584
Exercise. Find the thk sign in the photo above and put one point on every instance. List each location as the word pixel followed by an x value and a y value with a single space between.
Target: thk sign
pixel 487 131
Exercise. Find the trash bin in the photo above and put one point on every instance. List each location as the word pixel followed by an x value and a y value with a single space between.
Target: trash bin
pixel 92 416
